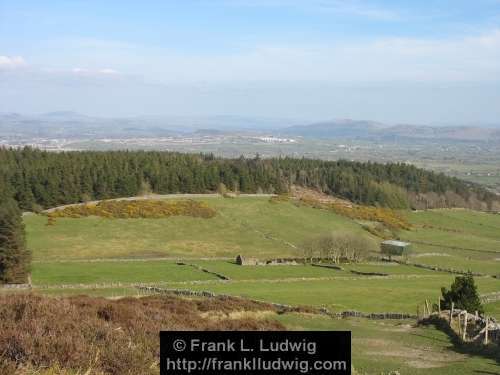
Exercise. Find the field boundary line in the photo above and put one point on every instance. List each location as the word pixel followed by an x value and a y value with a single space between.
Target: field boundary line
pixel 441 269
pixel 284 307
pixel 220 281
pixel 206 270
pixel 453 247
pixel 154 259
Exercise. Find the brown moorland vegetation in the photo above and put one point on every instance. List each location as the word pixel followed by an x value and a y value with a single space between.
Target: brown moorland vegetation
pixel 85 335
pixel 386 216
pixel 132 209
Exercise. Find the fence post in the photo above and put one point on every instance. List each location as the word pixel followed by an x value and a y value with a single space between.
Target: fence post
pixel 428 308
pixel 486 331
pixel 465 326
pixel 439 306
pixel 459 317
pixel 451 312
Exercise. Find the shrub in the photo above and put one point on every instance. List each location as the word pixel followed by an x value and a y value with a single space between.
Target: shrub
pixel 110 337
pixel 128 209
pixel 463 293
pixel 386 216
pixel 285 197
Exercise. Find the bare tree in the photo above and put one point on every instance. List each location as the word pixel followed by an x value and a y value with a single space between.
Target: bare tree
pixel 339 246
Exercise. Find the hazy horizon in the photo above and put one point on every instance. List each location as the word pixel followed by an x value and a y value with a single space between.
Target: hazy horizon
pixel 403 62
pixel 279 122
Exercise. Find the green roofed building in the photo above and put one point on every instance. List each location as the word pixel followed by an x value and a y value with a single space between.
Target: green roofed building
pixel 394 247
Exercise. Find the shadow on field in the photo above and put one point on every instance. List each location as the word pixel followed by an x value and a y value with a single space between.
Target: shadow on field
pixel 473 349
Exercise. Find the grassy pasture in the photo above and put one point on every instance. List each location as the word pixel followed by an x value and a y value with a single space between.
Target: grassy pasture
pixel 253 226
pixel 493 309
pixel 112 272
pixel 236 272
pixel 389 268
pixel 379 347
pixel 465 221
pixel 248 225
pixel 465 229
pixel 460 239
pixel 449 240
pixel 368 294
pixel 486 266
pixel 163 271
pixel 90 272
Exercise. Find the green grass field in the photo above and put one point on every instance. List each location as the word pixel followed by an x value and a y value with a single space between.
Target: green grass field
pixel 390 269
pixel 456 228
pixel 367 294
pixel 233 271
pixel 460 239
pixel 95 254
pixel 236 272
pixel 57 273
pixel 493 309
pixel 250 226
pixel 254 226
pixel 379 347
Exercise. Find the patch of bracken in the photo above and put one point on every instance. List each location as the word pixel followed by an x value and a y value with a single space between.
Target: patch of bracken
pixel 100 336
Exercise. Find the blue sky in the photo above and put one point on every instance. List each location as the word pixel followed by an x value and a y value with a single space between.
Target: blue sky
pixel 394 61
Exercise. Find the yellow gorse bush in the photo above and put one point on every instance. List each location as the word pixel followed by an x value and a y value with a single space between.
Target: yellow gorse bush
pixel 134 209
pixel 388 217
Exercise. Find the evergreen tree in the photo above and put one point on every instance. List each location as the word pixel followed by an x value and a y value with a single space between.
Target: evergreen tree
pixel 40 178
pixel 463 294
pixel 14 257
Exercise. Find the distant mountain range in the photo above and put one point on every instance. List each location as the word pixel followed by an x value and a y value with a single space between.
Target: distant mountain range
pixel 334 129
pixel 67 124
pixel 75 125
pixel 374 130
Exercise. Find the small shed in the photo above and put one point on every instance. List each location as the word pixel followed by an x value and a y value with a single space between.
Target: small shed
pixel 394 247
pixel 243 261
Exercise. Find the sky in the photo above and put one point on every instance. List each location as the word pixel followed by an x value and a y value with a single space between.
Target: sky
pixel 433 62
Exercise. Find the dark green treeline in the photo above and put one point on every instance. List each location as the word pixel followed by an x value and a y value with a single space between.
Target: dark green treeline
pixel 45 179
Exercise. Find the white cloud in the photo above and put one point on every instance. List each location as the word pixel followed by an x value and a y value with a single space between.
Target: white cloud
pixel 465 59
pixel 12 62
pixel 94 72
pixel 79 70
pixel 107 71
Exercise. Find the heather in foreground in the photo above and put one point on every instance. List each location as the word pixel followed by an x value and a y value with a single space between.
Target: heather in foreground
pixel 84 335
